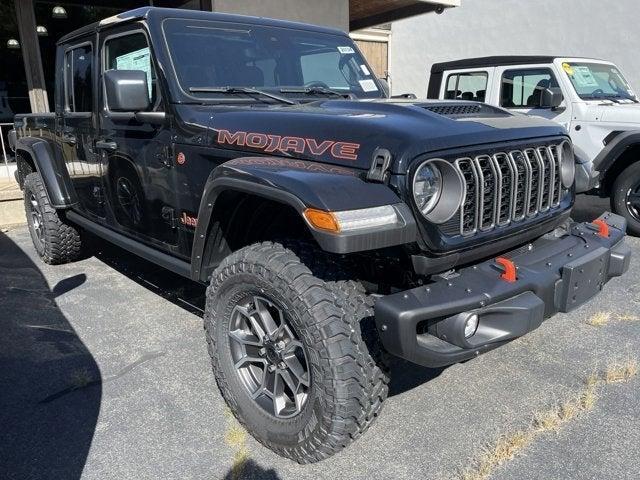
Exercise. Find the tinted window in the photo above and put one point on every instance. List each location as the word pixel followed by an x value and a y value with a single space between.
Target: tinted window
pixel 523 88
pixel 215 54
pixel 467 86
pixel 78 79
pixel 131 52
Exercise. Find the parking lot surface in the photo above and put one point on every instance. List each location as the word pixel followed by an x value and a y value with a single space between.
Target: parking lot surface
pixel 104 374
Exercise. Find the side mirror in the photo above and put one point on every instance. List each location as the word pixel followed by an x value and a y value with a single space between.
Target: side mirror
pixel 385 86
pixel 551 98
pixel 126 90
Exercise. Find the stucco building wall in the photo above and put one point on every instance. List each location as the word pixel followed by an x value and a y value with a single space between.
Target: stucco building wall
pixel 590 28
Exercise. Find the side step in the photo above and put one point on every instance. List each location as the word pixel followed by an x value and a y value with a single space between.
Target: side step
pixel 148 253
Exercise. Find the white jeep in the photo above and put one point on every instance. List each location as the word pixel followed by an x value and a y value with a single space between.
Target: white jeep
pixel 589 97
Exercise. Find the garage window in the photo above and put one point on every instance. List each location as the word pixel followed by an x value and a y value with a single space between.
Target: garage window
pixel 467 86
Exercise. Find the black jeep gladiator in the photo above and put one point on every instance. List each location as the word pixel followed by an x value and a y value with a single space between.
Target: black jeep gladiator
pixel 335 227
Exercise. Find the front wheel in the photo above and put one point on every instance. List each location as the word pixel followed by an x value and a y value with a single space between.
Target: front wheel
pixel 288 357
pixel 625 197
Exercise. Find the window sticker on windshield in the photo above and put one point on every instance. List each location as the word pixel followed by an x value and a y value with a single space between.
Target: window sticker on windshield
pixel 368 85
pixel 346 50
pixel 137 60
pixel 365 70
pixel 567 68
pixel 584 77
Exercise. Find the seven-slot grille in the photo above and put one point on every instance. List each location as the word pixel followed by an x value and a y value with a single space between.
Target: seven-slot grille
pixel 508 187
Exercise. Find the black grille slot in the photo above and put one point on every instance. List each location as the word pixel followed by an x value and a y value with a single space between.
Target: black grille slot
pixel 557 185
pixel 507 187
pixel 447 110
pixel 521 172
pixel 468 209
pixel 487 195
pixel 546 179
pixel 534 191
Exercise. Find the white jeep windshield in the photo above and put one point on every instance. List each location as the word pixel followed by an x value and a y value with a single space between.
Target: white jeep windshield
pixel 211 55
pixel 597 81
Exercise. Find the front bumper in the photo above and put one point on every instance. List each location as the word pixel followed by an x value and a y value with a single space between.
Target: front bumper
pixel 557 273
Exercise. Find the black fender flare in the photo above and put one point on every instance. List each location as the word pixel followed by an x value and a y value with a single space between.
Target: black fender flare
pixel 54 174
pixel 302 184
pixel 614 149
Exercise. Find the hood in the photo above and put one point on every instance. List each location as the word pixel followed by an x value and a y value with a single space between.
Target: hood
pixel 621 113
pixel 347 133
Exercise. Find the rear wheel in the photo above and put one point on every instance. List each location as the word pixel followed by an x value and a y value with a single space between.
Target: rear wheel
pixel 288 354
pixel 625 198
pixel 55 240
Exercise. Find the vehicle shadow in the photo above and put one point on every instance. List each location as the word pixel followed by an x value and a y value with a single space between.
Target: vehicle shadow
pixel 50 384
pixel 250 470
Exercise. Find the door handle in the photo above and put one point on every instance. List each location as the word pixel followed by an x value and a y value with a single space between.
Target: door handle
pixel 69 138
pixel 106 145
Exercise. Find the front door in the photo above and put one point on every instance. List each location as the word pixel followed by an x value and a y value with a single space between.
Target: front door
pixel 521 90
pixel 77 126
pixel 139 176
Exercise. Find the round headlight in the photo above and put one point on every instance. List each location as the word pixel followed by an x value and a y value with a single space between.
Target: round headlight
pixel 427 186
pixel 567 164
pixel 438 189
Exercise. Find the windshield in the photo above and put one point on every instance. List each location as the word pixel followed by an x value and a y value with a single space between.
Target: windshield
pixel 220 54
pixel 598 81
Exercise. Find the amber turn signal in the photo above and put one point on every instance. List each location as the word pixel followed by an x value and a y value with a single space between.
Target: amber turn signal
pixel 322 220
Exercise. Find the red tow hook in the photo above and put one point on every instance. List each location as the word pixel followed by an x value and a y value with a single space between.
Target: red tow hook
pixel 603 227
pixel 509 274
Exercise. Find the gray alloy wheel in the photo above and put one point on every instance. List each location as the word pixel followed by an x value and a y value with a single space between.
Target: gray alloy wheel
pixel 35 218
pixel 268 357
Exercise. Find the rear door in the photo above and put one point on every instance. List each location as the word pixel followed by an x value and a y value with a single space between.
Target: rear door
pixel 77 124
pixel 469 84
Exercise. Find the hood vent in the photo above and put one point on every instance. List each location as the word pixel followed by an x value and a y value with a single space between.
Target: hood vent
pixel 459 109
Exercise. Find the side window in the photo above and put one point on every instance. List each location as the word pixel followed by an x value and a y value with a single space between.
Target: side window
pixel 467 86
pixel 131 52
pixel 523 88
pixel 78 78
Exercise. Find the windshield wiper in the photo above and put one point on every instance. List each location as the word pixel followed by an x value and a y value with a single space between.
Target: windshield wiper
pixel 248 90
pixel 315 91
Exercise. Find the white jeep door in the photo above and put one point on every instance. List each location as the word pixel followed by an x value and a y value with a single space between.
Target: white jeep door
pixel 519 89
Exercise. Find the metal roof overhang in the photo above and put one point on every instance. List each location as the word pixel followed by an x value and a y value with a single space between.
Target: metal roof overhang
pixel 367 13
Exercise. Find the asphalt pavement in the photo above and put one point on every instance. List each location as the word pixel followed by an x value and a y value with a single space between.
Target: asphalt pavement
pixel 104 374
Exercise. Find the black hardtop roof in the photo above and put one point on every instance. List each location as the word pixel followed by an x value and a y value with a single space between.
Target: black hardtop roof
pixel 158 14
pixel 495 61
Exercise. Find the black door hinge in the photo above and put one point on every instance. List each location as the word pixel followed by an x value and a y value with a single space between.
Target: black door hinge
pixel 379 170
pixel 168 215
pixel 164 157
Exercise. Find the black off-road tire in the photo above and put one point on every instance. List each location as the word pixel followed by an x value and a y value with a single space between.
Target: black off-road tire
pixel 627 182
pixel 346 386
pixel 56 241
